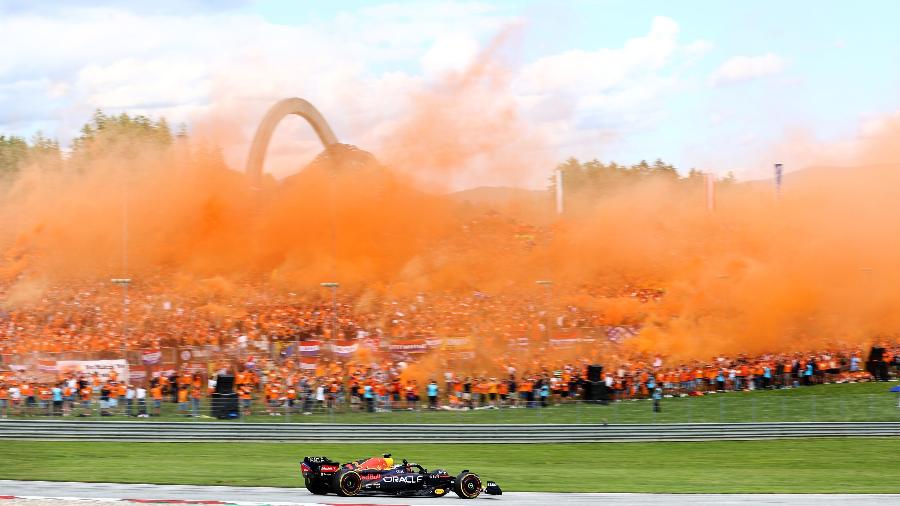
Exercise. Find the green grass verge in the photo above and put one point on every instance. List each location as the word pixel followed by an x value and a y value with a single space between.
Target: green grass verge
pixel 845 402
pixel 851 465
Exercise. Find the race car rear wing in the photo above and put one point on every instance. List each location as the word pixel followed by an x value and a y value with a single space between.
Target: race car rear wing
pixel 318 465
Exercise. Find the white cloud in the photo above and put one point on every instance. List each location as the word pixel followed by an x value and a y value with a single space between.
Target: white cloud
pixel 619 88
pixel 450 53
pixel 219 71
pixel 746 68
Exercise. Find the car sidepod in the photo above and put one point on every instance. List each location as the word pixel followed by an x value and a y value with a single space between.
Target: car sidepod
pixel 396 482
pixel 438 483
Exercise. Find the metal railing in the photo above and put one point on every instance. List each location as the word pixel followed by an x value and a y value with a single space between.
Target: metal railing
pixel 800 405
pixel 438 433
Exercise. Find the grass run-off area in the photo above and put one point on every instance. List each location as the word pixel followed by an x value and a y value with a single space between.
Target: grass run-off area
pixel 821 403
pixel 857 465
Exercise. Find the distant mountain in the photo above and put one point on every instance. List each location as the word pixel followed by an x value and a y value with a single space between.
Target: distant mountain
pixel 823 175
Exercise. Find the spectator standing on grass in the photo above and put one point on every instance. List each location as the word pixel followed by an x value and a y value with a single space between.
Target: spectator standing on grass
pixel 448 381
pixel 172 382
pixel 320 395
pixel 156 395
pixel 4 401
pixel 854 363
pixel 195 401
pixel 140 394
pixel 369 397
pixel 15 398
pixel 182 397
pixel 129 400
pixel 113 396
pixel 86 392
pixel 57 394
pixel 412 395
pixel 432 394
pixel 246 398
pixel 45 395
pixel 104 400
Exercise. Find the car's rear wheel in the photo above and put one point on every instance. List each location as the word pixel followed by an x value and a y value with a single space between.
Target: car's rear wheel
pixel 467 485
pixel 347 483
pixel 316 487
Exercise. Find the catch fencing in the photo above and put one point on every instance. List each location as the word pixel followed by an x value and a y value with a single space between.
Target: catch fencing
pixel 51 430
pixel 830 403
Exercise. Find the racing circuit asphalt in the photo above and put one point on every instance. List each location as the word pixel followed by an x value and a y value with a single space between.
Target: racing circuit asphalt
pixel 270 495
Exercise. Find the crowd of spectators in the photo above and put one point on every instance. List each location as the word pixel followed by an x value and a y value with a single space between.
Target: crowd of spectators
pixel 277 387
pixel 254 333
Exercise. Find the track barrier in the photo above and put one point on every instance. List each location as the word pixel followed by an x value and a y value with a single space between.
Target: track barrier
pixel 140 431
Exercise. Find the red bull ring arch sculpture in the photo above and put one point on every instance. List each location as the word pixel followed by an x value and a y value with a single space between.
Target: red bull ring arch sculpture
pixel 266 127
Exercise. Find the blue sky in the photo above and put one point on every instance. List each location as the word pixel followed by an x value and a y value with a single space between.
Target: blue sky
pixel 718 85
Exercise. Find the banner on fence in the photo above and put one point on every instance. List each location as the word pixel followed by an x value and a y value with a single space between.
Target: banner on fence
pixel 47 365
pixel 344 348
pixel 200 353
pixel 137 373
pixel 408 346
pixel 103 368
pixel 622 332
pixel 459 348
pixel 165 369
pixel 458 342
pixel 308 363
pixel 151 357
pixel 194 367
pixel 310 348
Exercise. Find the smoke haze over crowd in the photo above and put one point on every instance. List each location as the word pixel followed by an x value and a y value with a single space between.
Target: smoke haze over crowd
pixel 760 273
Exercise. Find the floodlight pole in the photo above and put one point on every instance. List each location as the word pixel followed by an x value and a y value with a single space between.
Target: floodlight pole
pixel 549 286
pixel 124 282
pixel 334 310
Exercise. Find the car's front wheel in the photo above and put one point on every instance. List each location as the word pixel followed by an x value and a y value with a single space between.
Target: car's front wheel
pixel 347 483
pixel 316 487
pixel 467 485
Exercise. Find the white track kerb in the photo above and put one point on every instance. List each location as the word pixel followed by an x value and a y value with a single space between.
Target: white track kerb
pixel 258 496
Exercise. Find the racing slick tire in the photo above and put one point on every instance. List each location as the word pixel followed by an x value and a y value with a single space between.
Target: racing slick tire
pixel 316 487
pixel 347 483
pixel 467 485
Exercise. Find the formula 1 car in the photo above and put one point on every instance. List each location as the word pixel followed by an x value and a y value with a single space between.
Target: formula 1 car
pixel 379 475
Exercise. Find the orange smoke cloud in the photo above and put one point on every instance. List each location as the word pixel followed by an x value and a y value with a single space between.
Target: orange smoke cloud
pixel 466 128
pixel 760 274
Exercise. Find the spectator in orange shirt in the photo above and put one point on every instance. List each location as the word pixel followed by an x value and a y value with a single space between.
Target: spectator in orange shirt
pixel 182 400
pixel 4 400
pixel 156 396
